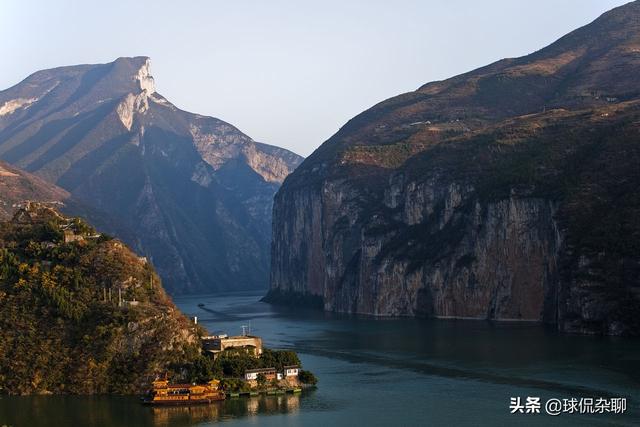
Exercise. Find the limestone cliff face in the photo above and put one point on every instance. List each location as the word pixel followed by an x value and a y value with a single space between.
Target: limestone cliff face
pixel 474 260
pixel 194 192
pixel 510 192
pixel 518 238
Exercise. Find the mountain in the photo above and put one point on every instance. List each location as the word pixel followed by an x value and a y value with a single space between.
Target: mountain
pixel 81 313
pixel 509 192
pixel 195 191
pixel 16 186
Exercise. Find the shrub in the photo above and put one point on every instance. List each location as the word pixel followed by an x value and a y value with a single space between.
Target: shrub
pixel 261 380
pixel 307 377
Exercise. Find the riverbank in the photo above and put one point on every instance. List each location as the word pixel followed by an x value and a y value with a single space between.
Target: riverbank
pixel 380 372
pixel 267 392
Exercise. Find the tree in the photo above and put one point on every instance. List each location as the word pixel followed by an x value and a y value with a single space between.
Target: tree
pixel 201 369
pixel 278 358
pixel 307 377
pixel 261 379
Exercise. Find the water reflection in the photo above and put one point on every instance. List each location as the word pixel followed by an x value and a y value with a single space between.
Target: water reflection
pixel 184 415
pixel 380 372
pixel 263 405
pixel 233 408
pixel 49 411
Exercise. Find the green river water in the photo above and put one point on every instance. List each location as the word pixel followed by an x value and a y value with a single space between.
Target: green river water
pixel 382 372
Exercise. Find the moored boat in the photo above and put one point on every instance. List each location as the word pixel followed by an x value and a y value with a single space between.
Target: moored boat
pixel 164 393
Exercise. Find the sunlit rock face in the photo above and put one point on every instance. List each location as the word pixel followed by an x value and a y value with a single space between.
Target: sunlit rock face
pixel 509 192
pixel 194 193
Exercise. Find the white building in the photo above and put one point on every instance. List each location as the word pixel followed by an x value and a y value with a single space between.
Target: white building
pixel 291 371
pixel 252 374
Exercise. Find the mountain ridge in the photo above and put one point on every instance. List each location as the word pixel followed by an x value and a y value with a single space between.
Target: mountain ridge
pixel 17 186
pixel 104 134
pixel 443 110
pixel 484 195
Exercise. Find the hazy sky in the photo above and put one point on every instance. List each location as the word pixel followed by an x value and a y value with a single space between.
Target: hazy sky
pixel 288 73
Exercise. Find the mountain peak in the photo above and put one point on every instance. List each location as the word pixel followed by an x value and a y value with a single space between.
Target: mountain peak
pixel 136 61
pixel 194 188
pixel 627 12
pixel 613 29
pixel 592 66
pixel 139 68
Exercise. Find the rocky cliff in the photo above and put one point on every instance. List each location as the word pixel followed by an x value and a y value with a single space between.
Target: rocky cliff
pixel 194 191
pixel 510 192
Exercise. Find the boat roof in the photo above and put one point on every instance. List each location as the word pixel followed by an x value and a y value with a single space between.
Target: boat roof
pixel 185 385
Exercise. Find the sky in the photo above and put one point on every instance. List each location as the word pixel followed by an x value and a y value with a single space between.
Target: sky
pixel 285 72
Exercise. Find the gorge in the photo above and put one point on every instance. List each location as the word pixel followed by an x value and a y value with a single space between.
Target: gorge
pixel 507 193
pixel 192 193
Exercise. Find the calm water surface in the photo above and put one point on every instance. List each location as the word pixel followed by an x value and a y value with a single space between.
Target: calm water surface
pixel 378 372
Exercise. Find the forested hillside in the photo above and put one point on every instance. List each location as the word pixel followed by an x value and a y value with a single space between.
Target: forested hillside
pixel 80 312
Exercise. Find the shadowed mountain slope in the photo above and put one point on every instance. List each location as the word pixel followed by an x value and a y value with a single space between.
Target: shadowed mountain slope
pixel 195 191
pixel 509 192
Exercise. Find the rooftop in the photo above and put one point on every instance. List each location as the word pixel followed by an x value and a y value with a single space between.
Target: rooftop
pixel 259 370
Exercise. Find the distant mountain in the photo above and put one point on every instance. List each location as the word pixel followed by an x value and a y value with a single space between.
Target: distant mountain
pixel 17 186
pixel 509 192
pixel 196 192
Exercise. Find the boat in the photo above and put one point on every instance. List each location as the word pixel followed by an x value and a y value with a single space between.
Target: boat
pixel 164 393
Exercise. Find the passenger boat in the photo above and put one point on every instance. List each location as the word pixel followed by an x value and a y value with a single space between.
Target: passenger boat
pixel 163 393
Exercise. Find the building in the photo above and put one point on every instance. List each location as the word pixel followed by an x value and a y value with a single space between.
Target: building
pixel 215 344
pixel 291 370
pixel 252 374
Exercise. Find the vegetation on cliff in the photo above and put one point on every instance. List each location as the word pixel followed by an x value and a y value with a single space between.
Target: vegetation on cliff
pixel 17 185
pixel 81 313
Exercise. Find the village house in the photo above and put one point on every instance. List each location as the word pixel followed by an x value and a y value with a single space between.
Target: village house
pixel 291 370
pixel 251 375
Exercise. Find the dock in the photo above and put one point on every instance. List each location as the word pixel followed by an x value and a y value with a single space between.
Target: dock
pixel 255 393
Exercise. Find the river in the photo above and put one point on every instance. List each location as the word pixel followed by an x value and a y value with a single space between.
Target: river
pixel 382 372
